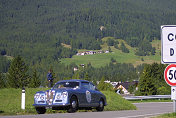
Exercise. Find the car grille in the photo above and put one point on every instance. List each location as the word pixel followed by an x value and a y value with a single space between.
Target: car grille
pixel 49 96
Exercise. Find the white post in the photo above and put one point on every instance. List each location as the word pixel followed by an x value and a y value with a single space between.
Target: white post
pixel 173 97
pixel 23 99
pixel 174 106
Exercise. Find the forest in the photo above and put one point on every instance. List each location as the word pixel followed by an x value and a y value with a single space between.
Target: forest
pixel 36 30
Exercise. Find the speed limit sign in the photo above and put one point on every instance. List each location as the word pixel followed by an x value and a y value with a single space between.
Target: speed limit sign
pixel 170 75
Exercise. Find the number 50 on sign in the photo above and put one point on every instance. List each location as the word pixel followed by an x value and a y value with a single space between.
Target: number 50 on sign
pixel 170 75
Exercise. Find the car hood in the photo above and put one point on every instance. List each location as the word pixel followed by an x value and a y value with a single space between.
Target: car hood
pixel 63 89
pixel 58 90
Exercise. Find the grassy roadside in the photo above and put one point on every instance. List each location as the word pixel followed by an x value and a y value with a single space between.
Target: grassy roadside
pixel 11 102
pixel 116 102
pixel 169 115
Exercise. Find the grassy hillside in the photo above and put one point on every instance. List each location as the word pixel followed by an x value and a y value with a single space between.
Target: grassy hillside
pixel 11 102
pixel 98 60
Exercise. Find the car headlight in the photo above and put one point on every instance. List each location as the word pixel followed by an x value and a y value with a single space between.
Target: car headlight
pixel 64 94
pixel 42 97
pixel 37 95
pixel 58 96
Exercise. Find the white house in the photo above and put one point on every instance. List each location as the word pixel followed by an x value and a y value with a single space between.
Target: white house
pixel 107 51
pixel 125 86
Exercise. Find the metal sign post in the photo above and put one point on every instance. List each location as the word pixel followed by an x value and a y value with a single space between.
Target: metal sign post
pixel 173 97
pixel 174 105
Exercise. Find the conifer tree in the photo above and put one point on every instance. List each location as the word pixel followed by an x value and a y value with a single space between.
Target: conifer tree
pixel 146 82
pixel 35 80
pixel 123 48
pixel 76 75
pixel 109 48
pixel 86 76
pixel 2 83
pixel 102 86
pixel 17 73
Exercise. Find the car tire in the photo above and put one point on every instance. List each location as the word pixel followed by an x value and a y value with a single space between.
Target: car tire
pixel 101 105
pixel 73 105
pixel 40 110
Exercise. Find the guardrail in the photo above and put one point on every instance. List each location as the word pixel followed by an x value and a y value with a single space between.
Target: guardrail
pixel 147 97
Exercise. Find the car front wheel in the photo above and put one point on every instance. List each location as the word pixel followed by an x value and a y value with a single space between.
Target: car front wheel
pixel 73 105
pixel 101 106
pixel 40 110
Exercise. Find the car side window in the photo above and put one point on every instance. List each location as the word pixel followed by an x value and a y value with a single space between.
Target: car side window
pixel 92 87
pixel 85 85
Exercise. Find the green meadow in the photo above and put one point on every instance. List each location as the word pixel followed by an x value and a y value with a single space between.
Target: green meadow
pixel 11 102
pixel 98 60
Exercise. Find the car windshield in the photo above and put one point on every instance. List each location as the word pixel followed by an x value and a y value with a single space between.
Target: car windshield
pixel 66 85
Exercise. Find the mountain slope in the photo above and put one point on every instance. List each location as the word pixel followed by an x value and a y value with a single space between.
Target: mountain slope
pixel 37 29
pixel 98 60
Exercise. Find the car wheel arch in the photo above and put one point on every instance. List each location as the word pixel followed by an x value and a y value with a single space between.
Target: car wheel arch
pixel 75 97
pixel 101 98
pixel 73 104
pixel 101 105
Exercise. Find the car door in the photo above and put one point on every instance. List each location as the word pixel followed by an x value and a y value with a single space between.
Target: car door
pixel 85 95
pixel 94 94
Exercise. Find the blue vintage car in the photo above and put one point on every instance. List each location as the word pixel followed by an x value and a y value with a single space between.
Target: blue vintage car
pixel 70 95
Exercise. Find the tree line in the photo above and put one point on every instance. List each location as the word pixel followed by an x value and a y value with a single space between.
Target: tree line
pixel 150 76
pixel 18 71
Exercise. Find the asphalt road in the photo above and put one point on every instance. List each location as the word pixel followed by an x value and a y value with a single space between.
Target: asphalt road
pixel 144 110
